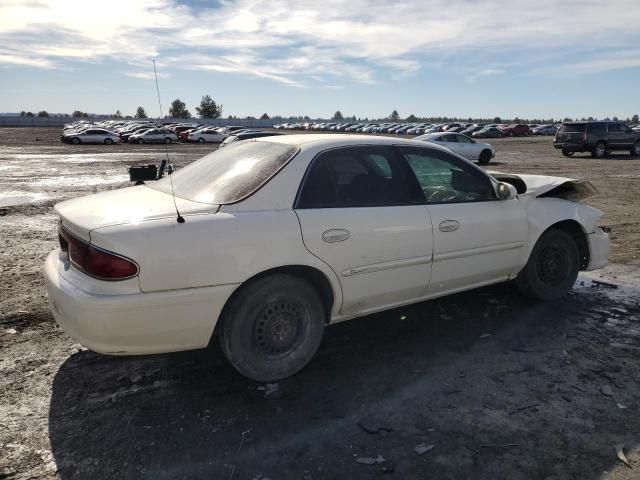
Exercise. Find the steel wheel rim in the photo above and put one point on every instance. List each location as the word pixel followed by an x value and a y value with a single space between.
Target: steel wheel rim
pixel 279 328
pixel 553 265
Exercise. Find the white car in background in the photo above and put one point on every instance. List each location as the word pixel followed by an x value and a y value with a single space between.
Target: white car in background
pixel 462 145
pixel 207 135
pixel 154 135
pixel 91 135
pixel 278 237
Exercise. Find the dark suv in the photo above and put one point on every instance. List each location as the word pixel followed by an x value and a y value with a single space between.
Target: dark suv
pixel 599 138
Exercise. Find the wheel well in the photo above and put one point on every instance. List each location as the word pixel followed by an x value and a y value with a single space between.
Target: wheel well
pixel 575 230
pixel 315 277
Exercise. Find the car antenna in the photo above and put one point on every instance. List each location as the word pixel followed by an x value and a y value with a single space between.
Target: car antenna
pixel 166 149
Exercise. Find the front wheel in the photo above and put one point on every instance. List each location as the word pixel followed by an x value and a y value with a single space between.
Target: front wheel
pixel 636 149
pixel 201 140
pixel 140 141
pixel 75 140
pixel 567 153
pixel 108 141
pixel 485 157
pixel 167 140
pixel 272 327
pixel 552 268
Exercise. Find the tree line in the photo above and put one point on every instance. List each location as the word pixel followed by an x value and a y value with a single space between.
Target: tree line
pixel 395 117
pixel 208 108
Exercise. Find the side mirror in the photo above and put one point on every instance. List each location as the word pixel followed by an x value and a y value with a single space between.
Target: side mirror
pixel 506 191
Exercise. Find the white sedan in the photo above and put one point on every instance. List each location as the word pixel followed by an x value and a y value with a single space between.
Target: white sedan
pixel 462 145
pixel 154 135
pixel 207 135
pixel 278 237
pixel 91 135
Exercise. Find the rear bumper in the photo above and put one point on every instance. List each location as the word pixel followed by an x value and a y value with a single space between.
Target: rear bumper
pixel 598 249
pixel 133 323
pixel 574 147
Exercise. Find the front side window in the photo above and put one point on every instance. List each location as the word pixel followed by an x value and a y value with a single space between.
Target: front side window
pixel 355 177
pixel 463 139
pixel 228 175
pixel 446 179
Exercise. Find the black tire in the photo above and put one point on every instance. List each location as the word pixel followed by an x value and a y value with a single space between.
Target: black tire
pixel 552 268
pixel 140 141
pixel 485 157
pixel 635 150
pixel 201 140
pixel 567 153
pixel 167 140
pixel 272 328
pixel 108 141
pixel 599 151
pixel 75 140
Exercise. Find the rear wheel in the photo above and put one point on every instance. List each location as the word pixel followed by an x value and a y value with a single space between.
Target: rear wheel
pixel 552 268
pixel 75 140
pixel 273 327
pixel 600 150
pixel 485 157
pixel 108 141
pixel 567 153
pixel 636 149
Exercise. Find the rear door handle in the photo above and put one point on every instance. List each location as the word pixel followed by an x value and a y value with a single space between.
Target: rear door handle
pixel 449 225
pixel 335 235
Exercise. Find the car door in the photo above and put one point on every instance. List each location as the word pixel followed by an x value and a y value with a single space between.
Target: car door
pixel 358 214
pixel 91 136
pixel 477 239
pixel 466 147
pixel 627 136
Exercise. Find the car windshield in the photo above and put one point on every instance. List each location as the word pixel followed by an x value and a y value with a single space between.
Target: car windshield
pixel 228 175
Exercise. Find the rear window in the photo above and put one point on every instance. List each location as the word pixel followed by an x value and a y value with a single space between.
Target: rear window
pixel 573 128
pixel 228 175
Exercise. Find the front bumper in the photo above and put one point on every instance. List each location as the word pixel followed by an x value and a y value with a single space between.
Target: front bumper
pixel 131 323
pixel 598 249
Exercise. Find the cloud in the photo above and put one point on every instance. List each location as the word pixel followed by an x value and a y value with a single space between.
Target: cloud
pixel 487 72
pixel 302 42
pixel 146 75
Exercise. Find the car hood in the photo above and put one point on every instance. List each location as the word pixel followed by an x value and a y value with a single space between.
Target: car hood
pixel 123 206
pixel 547 186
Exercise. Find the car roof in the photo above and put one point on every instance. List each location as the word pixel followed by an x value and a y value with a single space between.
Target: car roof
pixel 342 140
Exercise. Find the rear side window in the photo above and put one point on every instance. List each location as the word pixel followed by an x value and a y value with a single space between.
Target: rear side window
pixel 355 177
pixel 228 175
pixel 597 128
pixel 573 128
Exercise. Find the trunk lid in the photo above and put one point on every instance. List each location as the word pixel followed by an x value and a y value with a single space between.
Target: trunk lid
pixel 126 205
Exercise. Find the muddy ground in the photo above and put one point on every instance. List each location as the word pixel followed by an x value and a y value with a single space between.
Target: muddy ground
pixel 503 388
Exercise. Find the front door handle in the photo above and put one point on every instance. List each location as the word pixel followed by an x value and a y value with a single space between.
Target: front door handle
pixel 335 235
pixel 449 225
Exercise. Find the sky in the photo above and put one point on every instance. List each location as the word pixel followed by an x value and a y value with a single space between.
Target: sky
pixel 463 58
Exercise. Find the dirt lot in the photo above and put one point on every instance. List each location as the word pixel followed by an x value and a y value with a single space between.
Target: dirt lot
pixel 503 388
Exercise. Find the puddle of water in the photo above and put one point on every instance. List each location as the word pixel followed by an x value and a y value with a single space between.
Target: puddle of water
pixel 9 199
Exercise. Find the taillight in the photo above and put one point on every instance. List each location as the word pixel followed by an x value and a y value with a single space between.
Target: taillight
pixel 94 261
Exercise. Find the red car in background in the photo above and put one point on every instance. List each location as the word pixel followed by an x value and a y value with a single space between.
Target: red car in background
pixel 516 130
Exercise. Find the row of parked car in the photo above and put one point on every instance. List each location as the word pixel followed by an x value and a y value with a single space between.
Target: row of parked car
pixel 111 131
pixel 479 130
